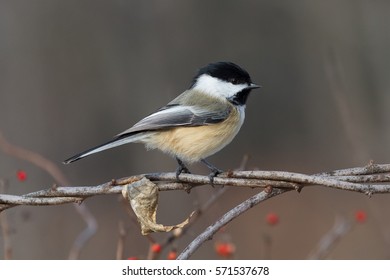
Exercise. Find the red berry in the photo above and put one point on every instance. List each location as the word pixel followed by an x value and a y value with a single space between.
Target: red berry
pixel 21 175
pixel 132 258
pixel 172 255
pixel 156 248
pixel 225 249
pixel 272 219
pixel 360 216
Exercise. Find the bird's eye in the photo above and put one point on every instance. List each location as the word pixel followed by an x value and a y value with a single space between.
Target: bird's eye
pixel 234 81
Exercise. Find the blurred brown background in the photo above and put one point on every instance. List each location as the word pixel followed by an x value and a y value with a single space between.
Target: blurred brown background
pixel 75 73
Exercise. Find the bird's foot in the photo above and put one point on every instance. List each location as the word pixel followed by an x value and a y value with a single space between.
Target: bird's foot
pixel 214 174
pixel 214 171
pixel 181 169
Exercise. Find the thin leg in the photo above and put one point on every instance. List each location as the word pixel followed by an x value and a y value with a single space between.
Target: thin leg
pixel 181 169
pixel 214 171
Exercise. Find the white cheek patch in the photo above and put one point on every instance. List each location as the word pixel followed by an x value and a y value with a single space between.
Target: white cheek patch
pixel 217 87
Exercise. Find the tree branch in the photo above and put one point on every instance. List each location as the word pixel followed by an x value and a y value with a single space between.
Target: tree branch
pixel 52 169
pixel 371 180
pixel 227 217
pixel 341 227
pixel 368 180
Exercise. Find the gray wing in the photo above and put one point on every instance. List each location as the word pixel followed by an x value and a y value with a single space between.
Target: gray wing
pixel 174 115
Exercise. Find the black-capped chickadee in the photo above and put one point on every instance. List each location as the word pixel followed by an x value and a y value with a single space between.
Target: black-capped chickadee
pixel 196 124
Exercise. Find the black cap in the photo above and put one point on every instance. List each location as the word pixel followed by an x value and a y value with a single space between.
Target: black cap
pixel 226 71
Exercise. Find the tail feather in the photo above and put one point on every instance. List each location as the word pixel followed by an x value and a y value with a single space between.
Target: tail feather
pixel 118 141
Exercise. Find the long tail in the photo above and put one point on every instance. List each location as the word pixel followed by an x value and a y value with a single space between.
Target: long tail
pixel 118 141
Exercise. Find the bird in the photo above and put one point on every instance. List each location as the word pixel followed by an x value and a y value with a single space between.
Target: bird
pixel 196 124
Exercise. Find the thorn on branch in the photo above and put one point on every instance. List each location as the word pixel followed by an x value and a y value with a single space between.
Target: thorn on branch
pixel 268 189
pixel 372 167
pixel 298 188
pixel 187 188
pixel 369 191
pixel 370 163
pixel 229 173
pixel 53 188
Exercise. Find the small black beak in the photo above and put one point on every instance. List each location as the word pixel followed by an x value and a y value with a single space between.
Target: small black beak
pixel 253 86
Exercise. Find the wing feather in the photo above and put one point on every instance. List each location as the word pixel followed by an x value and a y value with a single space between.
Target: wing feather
pixel 176 115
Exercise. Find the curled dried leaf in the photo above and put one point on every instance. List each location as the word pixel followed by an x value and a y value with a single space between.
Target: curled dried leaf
pixel 143 198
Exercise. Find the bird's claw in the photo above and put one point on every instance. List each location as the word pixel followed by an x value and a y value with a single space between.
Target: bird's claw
pixel 214 173
pixel 181 169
